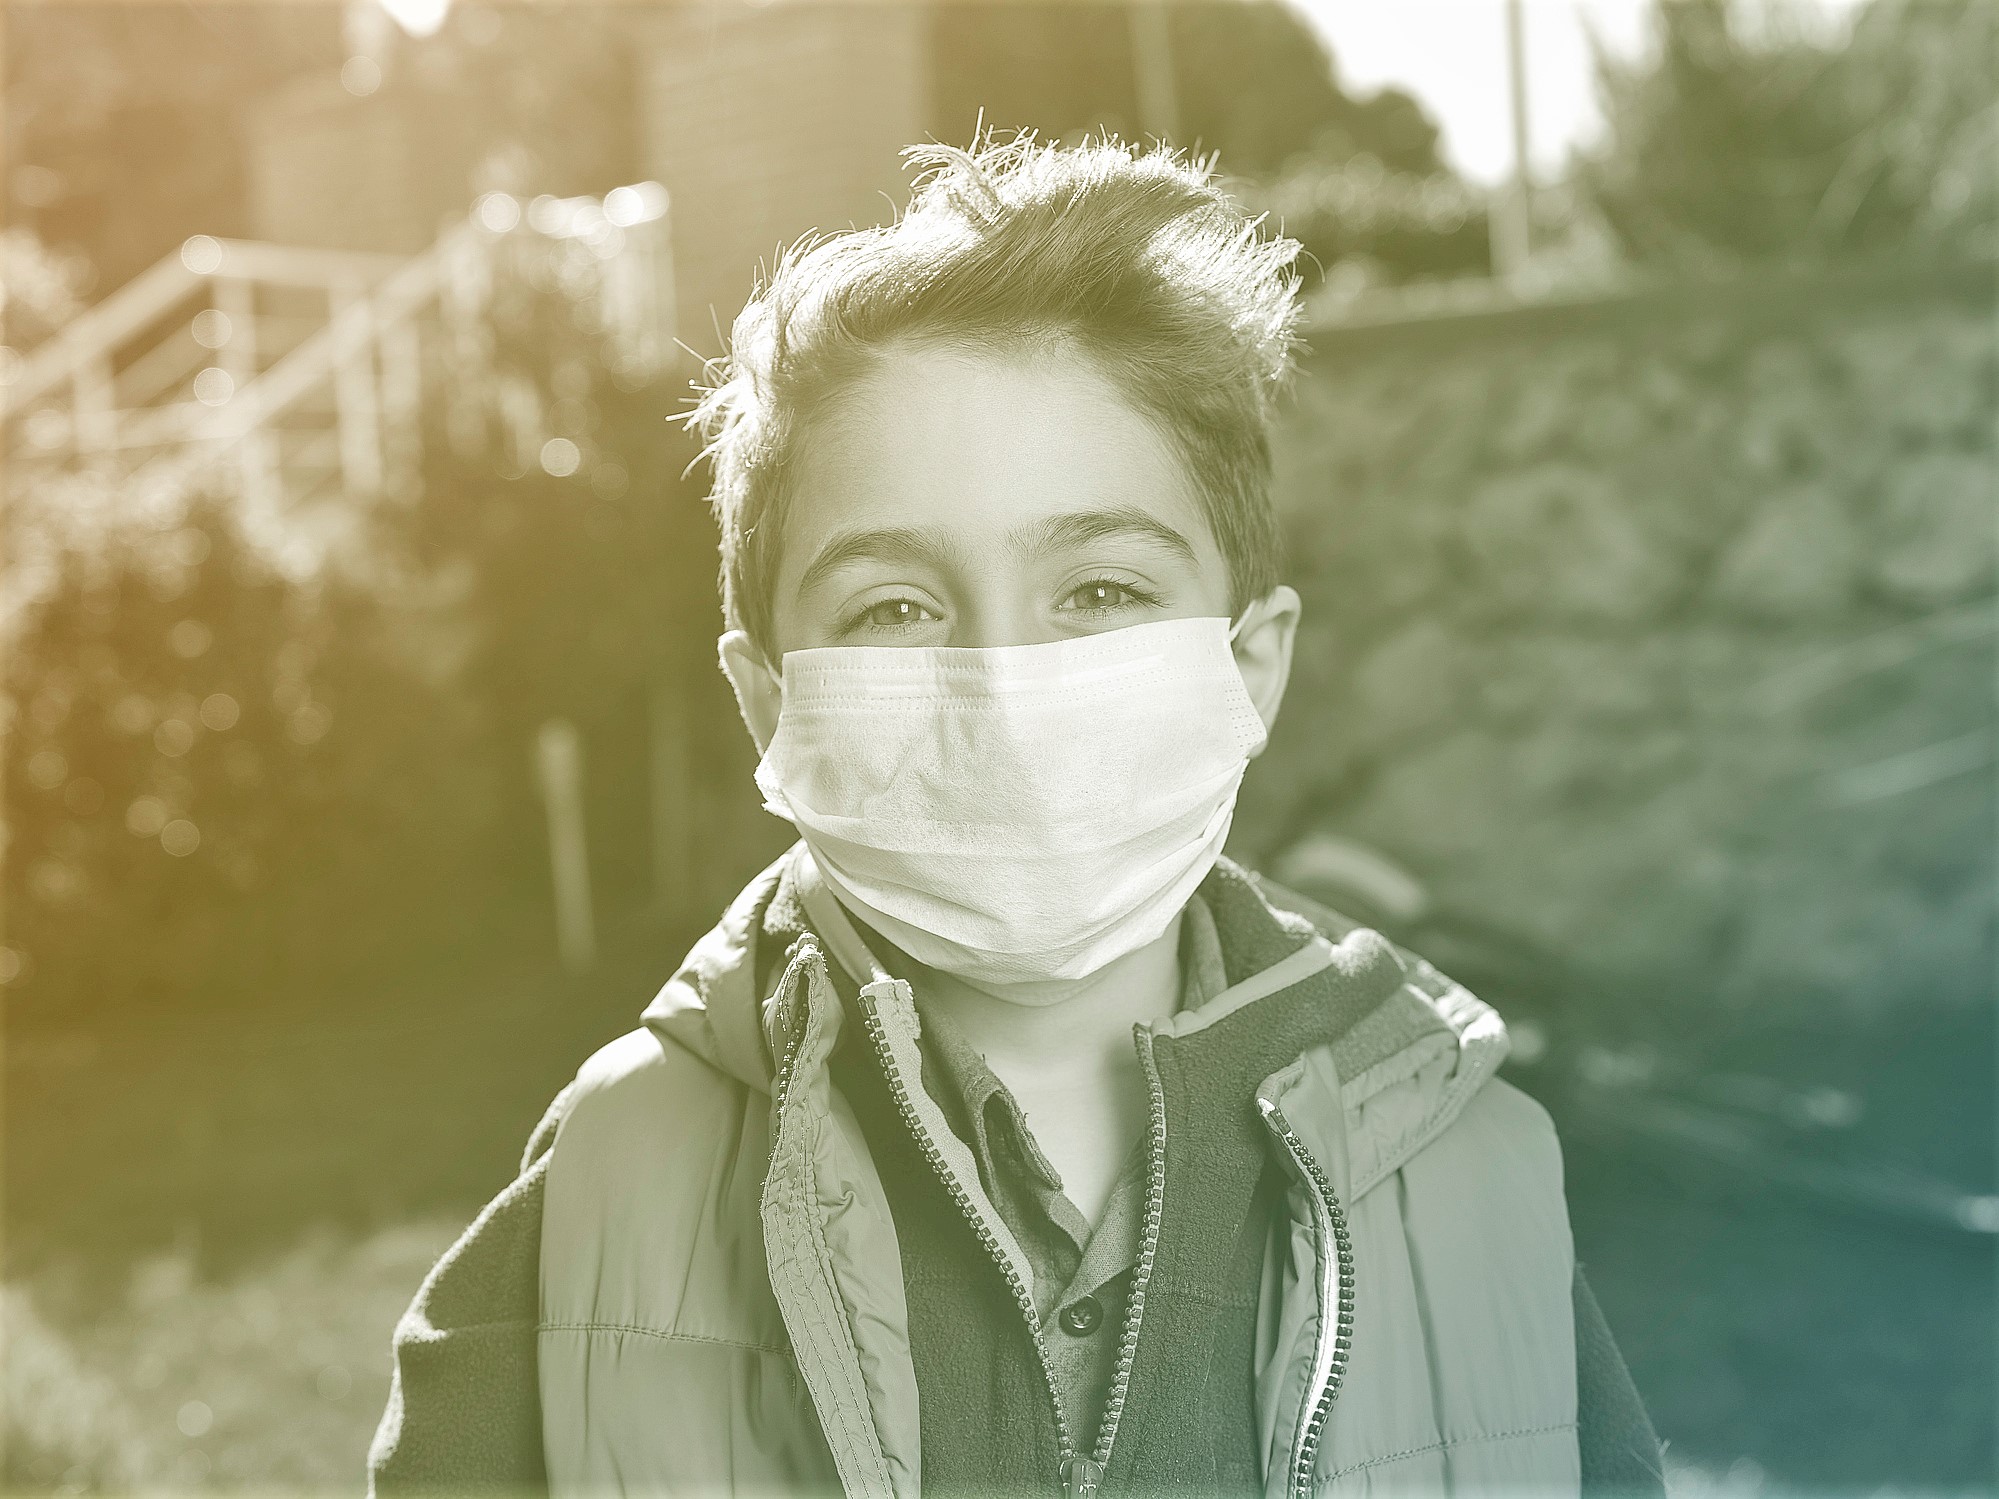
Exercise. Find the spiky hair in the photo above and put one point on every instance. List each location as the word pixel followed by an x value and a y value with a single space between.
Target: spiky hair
pixel 1133 257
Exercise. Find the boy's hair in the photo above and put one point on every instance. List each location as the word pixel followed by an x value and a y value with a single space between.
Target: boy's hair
pixel 1136 259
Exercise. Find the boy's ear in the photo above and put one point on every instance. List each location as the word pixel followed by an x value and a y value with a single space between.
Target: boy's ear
pixel 1263 649
pixel 759 693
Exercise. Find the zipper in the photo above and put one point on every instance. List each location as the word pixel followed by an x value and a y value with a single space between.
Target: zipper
pixel 1329 1356
pixel 1081 1476
pixel 1148 1247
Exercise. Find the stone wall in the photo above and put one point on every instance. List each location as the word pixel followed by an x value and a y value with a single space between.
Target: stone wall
pixel 1659 636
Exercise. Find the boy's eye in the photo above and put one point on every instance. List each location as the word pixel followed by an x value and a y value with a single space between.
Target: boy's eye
pixel 891 614
pixel 1100 595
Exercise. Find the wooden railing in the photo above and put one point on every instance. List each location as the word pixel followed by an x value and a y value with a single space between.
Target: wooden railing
pixel 287 374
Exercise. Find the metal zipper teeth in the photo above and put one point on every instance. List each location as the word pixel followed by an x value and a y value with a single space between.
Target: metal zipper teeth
pixel 1326 1207
pixel 1023 1299
pixel 1155 1193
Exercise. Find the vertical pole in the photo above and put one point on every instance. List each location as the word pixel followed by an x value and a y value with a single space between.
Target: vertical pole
pixel 633 304
pixel 1513 241
pixel 468 340
pixel 659 267
pixel 559 759
pixel 236 299
pixel 1152 68
pixel 672 798
pixel 354 391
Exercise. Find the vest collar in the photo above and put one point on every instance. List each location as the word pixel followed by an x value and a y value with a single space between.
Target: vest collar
pixel 720 1004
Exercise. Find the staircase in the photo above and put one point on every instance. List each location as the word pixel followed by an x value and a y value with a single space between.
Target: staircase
pixel 295 381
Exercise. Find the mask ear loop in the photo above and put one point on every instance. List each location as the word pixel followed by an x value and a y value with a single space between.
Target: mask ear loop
pixel 1235 629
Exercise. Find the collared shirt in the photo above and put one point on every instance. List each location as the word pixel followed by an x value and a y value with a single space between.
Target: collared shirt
pixel 1081 1272
pixel 1209 1269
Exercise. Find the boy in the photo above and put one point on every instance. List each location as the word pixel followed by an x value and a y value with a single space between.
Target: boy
pixel 1004 1137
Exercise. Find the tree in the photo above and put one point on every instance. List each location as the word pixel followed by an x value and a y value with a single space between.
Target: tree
pixel 1733 144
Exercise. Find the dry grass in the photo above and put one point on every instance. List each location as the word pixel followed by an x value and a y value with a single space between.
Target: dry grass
pixel 272 1379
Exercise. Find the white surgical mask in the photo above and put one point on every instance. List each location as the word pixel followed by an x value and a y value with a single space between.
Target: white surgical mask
pixel 1018 812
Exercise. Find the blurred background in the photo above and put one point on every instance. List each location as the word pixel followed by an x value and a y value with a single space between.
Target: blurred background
pixel 366 765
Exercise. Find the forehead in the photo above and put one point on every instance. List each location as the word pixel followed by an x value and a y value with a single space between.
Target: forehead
pixel 981 444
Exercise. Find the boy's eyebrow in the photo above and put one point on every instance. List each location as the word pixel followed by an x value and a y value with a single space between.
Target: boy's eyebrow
pixel 1084 527
pixel 907 544
pixel 889 544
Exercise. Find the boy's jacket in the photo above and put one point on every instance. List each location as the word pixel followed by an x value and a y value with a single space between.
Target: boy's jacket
pixel 697 1273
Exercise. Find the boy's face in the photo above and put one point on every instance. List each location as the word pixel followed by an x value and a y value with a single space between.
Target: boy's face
pixel 968 498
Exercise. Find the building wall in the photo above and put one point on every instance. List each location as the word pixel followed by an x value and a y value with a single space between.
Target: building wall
pixel 538 99
pixel 767 122
pixel 330 170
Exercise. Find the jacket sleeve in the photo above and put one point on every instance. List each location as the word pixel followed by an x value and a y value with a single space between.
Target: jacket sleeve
pixel 464 1412
pixel 1620 1451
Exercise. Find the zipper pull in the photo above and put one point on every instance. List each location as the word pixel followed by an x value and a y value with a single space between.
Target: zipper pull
pixel 1080 1478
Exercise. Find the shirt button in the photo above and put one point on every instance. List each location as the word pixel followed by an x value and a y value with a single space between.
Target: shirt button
pixel 1080 1318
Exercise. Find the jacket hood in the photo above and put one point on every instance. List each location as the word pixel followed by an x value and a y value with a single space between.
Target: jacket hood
pixel 1399 1018
pixel 714 1004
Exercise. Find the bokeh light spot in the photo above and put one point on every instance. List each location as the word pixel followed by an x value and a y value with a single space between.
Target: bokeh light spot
pixel 499 212
pixel 1979 1214
pixel 202 254
pixel 181 838
pixel 573 414
pixel 220 711
pixel 46 769
pixel 191 638
pixel 561 457
pixel 609 480
pixel 1530 1042
pixel 214 386
pixel 174 737
pixel 361 76
pixel 146 816
pixel 310 723
pixel 548 214
pixel 212 328
pixel 638 203
pixel 195 1418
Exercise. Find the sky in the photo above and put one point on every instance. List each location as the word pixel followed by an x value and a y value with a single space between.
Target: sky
pixel 1451 54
